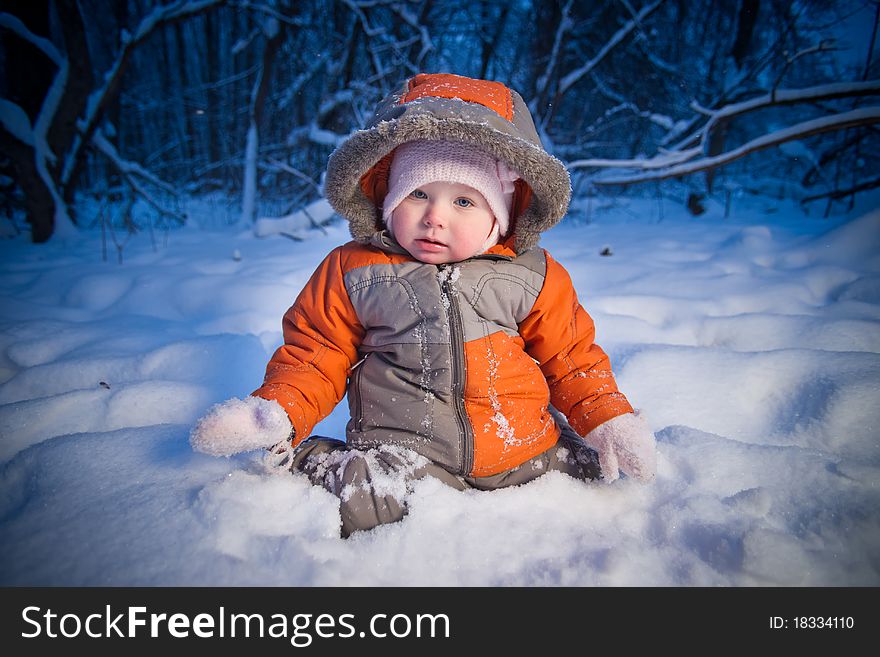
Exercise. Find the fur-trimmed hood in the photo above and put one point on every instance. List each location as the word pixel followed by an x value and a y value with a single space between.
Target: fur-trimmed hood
pixel 481 113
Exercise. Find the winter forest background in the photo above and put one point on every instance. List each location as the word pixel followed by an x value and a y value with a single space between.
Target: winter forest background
pixel 242 101
pixel 160 208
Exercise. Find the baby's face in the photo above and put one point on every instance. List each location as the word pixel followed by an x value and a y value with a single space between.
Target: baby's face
pixel 442 222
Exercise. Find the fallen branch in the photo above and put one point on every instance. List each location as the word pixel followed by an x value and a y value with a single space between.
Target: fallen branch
pixel 788 97
pixel 697 140
pixel 842 121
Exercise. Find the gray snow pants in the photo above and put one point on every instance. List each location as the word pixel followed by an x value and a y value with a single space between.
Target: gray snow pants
pixel 372 484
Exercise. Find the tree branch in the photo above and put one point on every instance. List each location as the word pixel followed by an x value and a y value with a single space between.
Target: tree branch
pixel 101 97
pixel 129 171
pixel 572 78
pixel 838 194
pixel 842 121
pixel 14 24
pixel 780 97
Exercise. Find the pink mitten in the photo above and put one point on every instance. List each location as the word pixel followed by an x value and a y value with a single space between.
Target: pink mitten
pixel 625 443
pixel 240 425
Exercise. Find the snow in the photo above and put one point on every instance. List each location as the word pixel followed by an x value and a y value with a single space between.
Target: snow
pixel 296 224
pixel 751 344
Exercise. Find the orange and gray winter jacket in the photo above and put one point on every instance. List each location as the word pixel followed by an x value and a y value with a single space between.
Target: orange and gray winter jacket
pixel 458 362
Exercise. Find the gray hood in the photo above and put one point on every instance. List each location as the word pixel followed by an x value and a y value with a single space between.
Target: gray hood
pixel 453 108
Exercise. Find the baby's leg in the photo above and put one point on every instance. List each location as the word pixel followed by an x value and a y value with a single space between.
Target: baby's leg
pixel 570 455
pixel 370 484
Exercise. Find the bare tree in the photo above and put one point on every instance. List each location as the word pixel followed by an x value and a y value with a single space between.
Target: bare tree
pixel 209 95
pixel 274 33
pixel 48 154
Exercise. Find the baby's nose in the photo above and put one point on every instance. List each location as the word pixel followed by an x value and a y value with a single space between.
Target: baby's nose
pixel 433 217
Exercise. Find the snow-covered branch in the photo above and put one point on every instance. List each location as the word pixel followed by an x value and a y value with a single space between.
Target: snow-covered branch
pixel 574 76
pixel 676 157
pixel 852 119
pixel 131 171
pixel 15 25
pixel 362 17
pixel 412 21
pixel 19 126
pixel 297 84
pixel 565 24
pixel 623 105
pixel 16 122
pixel 276 165
pixel 315 134
pixel 369 31
pixel 341 97
pixel 43 153
pixel 319 135
pixel 823 46
pixel 270 11
pixel 126 167
pixel 100 98
pixel 790 97
pixel 658 162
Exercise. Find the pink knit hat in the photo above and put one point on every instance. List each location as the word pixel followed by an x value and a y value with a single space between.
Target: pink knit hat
pixel 420 162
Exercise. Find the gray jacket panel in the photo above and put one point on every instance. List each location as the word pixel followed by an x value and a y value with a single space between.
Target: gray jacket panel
pixel 417 318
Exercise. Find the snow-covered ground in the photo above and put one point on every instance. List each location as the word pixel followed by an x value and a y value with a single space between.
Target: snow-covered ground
pixel 752 344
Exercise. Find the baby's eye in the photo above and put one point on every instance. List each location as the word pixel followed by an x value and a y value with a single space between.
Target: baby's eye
pixel 464 202
pixel 418 193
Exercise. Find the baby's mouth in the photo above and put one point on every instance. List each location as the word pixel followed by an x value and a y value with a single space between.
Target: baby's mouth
pixel 428 240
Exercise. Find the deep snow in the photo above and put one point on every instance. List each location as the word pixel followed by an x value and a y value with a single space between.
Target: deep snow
pixel 751 343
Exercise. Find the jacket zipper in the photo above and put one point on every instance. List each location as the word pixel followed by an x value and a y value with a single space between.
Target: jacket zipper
pixel 355 373
pixel 456 338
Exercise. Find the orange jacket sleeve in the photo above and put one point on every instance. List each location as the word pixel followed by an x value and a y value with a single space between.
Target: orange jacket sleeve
pixel 559 334
pixel 307 375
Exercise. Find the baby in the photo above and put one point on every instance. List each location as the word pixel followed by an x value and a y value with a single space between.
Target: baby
pixel 460 343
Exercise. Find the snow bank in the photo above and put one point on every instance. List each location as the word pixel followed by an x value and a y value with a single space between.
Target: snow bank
pixel 752 347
